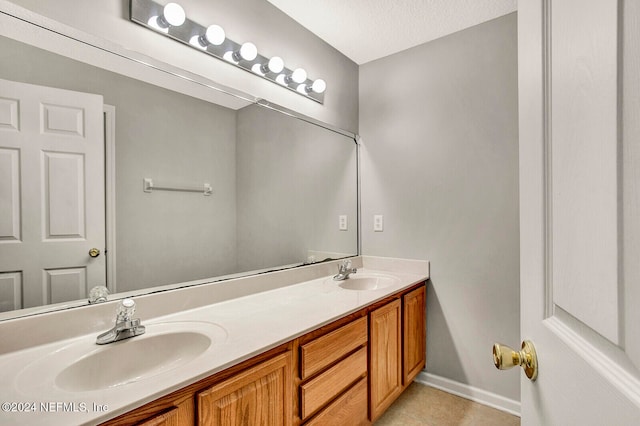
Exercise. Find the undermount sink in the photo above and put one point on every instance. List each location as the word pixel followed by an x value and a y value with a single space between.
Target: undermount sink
pixel 368 281
pixel 83 366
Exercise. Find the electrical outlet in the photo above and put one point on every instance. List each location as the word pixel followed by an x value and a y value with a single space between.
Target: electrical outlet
pixel 342 222
pixel 378 223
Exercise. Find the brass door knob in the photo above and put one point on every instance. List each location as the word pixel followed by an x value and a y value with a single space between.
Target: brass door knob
pixel 504 358
pixel 94 252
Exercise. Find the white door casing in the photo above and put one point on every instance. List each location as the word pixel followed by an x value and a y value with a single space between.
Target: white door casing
pixel 110 195
pixel 51 194
pixel 579 108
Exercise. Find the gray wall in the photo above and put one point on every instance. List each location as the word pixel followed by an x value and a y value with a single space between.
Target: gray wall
pixel 272 31
pixel 167 237
pixel 439 124
pixel 162 135
pixel 293 181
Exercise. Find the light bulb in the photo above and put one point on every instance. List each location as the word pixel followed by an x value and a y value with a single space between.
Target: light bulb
pixel 215 35
pixel 302 88
pixel 276 64
pixel 173 14
pixel 281 79
pixel 258 69
pixel 157 23
pixel 198 42
pixel 248 51
pixel 319 86
pixel 299 75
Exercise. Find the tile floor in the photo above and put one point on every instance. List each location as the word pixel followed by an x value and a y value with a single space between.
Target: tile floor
pixel 424 405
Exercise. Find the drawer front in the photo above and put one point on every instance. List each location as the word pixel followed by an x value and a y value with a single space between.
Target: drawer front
pixel 349 409
pixel 322 389
pixel 329 348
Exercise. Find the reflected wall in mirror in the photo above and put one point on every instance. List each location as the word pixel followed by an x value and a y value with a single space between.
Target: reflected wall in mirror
pixel 279 185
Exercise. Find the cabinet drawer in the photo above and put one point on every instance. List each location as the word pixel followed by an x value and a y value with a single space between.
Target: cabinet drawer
pixel 349 409
pixel 329 348
pixel 322 389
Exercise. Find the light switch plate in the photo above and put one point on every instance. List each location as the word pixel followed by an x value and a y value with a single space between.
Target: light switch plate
pixel 342 222
pixel 378 223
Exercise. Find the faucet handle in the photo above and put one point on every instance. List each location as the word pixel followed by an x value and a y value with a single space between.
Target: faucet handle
pixel 125 310
pixel 345 265
pixel 98 294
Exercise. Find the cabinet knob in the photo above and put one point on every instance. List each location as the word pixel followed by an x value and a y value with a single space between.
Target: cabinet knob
pixel 505 357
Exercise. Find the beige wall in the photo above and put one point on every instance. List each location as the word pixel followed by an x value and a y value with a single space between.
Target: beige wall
pixel 439 125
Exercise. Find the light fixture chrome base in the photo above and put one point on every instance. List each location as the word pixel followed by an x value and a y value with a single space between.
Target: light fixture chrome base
pixel 148 12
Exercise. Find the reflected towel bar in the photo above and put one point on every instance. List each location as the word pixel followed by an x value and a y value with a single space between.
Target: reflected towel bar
pixel 148 185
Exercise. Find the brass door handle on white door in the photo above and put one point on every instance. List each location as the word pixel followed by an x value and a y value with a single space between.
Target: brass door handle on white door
pixel 94 252
pixel 504 358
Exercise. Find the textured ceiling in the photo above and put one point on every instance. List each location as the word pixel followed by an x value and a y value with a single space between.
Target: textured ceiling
pixel 365 30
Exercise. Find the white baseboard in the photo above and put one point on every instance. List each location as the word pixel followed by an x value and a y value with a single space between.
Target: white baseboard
pixel 469 392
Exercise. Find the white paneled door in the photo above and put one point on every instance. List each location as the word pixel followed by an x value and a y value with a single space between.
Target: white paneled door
pixel 51 194
pixel 579 100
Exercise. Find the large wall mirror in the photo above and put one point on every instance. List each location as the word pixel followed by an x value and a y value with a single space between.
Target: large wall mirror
pixel 278 185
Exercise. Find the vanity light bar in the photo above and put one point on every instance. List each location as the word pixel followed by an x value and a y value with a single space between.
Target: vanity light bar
pixel 171 20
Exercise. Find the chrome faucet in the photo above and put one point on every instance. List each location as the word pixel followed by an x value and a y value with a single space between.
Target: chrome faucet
pixel 125 327
pixel 344 270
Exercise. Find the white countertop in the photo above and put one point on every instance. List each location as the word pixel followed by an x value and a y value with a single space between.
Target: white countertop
pixel 247 325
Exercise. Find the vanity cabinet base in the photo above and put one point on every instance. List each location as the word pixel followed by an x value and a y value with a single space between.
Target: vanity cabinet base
pixel 347 372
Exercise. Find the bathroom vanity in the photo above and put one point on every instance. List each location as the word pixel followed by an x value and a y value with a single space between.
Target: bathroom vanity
pixel 313 351
pixel 346 372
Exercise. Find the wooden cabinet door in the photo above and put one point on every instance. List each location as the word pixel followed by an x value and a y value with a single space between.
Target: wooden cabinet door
pixel 414 334
pixel 261 395
pixel 385 369
pixel 169 418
